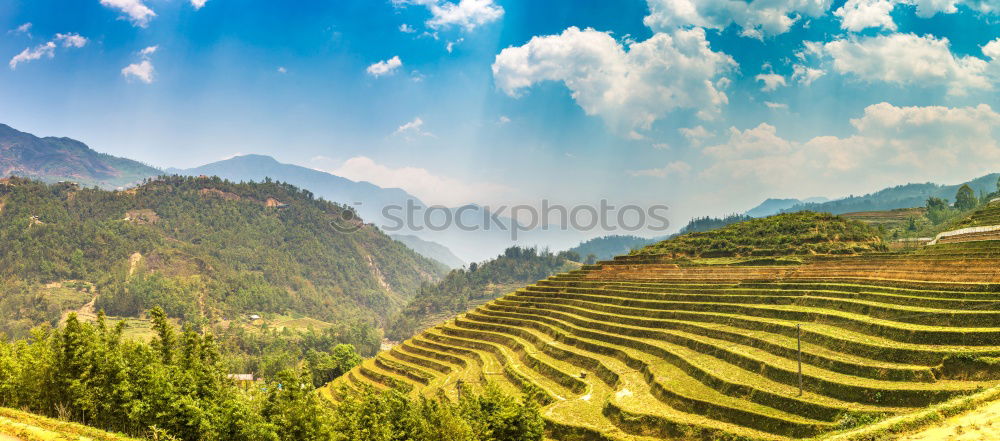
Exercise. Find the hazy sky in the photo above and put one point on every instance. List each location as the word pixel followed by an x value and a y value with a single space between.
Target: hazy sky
pixel 709 106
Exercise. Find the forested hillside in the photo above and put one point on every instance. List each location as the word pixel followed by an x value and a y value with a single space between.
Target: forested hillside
pixel 202 248
pixel 802 233
pixel 177 387
pixel 462 288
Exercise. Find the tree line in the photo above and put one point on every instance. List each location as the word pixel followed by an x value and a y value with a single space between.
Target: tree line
pixel 176 387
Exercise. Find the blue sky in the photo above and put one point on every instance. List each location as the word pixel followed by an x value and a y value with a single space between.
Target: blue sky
pixel 708 106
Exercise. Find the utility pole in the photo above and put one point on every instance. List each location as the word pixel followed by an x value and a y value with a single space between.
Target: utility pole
pixel 798 337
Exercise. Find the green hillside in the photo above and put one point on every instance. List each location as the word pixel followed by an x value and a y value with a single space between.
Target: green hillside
pixel 987 215
pixel 642 349
pixel 202 248
pixel 802 233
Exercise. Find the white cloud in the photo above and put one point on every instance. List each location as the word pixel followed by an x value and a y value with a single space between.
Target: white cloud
pixel 906 59
pixel 672 169
pixel 29 54
pixel 142 71
pixel 771 81
pixel 150 50
pixel 756 18
pixel 412 128
pixel 23 29
pixel 467 14
pixel 806 75
pixel 71 40
pixel 631 86
pixel 428 187
pixel 405 28
pixel 48 49
pixel 890 145
pixel 695 135
pixel 661 146
pixel 451 44
pixel 282 70
pixel 857 15
pixel 775 106
pixel 503 120
pixel 138 13
pixel 198 4
pixel 386 67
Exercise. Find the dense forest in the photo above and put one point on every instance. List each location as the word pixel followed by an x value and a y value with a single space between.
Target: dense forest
pixel 202 248
pixel 480 282
pixel 177 388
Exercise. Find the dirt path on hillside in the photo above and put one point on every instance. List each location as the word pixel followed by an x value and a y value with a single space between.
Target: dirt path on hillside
pixel 84 313
pixel 982 424
pixel 133 262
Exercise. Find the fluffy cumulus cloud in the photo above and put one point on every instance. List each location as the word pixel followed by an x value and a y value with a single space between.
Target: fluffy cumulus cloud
pixel 695 135
pixel 756 18
pixel 890 145
pixel 428 187
pixel 142 71
pixel 135 10
pixel 671 169
pixel 71 40
pixel 48 49
pixel 630 86
pixel 198 4
pixel 803 74
pixel 385 67
pixel 771 81
pixel 909 59
pixel 465 14
pixel 857 15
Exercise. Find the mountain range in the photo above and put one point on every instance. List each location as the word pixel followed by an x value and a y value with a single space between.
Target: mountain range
pixel 386 208
pixel 902 196
pixel 52 159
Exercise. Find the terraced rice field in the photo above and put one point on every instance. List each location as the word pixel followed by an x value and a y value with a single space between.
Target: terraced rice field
pixel 988 215
pixel 639 349
pixel 16 425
